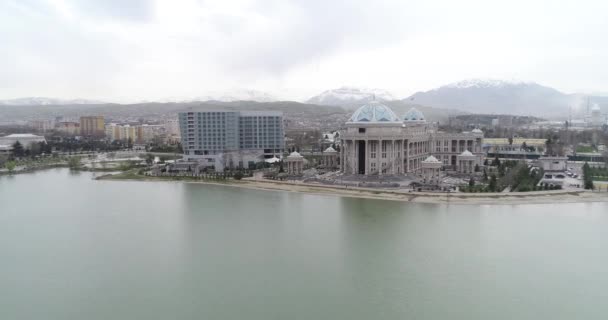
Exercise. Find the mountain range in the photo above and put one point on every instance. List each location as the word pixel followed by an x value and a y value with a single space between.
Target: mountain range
pixel 471 96
pixel 507 97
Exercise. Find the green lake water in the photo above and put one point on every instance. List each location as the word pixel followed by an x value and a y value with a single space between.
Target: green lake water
pixel 75 248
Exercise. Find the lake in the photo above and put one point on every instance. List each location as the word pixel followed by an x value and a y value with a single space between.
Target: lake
pixel 75 248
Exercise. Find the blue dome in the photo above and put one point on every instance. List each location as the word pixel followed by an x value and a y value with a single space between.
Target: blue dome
pixel 374 112
pixel 414 115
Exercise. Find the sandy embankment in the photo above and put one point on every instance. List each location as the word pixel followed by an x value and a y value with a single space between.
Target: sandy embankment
pixel 557 196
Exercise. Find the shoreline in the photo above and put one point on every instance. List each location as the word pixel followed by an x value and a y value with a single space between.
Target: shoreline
pixel 533 197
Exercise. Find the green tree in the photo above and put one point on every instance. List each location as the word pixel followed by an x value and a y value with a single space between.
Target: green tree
pixel 477 168
pixel 74 162
pixel 485 175
pixel 35 149
pixel 10 166
pixel 493 183
pixel 471 182
pixel 238 175
pixel 149 159
pixel 587 176
pixel 496 161
pixel 18 150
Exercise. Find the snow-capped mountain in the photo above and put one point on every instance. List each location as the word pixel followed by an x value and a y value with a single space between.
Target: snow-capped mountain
pixel 42 101
pixel 498 96
pixel 345 96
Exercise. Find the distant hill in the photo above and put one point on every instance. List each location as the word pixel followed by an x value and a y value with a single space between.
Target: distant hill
pixel 155 109
pixel 42 101
pixel 510 97
pixel 348 96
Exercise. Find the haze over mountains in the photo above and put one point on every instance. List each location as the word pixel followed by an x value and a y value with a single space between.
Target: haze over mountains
pixel 472 96
pixel 507 97
pixel 346 96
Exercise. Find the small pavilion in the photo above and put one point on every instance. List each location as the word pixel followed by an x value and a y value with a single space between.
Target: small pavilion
pixel 330 158
pixel 466 162
pixel 431 167
pixel 295 164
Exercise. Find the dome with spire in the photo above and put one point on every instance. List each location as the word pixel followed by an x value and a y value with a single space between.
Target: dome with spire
pixel 414 115
pixel 374 111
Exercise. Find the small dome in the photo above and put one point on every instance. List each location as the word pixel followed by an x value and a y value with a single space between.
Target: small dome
pixel 374 112
pixel 294 154
pixel 467 153
pixel 476 130
pixel 431 159
pixel 414 115
pixel 330 150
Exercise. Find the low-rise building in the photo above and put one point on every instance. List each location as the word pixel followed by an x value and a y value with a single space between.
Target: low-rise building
pixel 553 163
pixel 26 139
pixel 5 149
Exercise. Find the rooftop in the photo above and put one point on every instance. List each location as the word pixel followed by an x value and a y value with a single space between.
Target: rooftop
pixel 374 111
pixel 22 135
pixel 414 115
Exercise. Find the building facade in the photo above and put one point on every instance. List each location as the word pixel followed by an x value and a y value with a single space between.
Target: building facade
pixel 231 139
pixel 68 127
pixel 42 125
pixel 92 126
pixel 377 142
pixel 124 132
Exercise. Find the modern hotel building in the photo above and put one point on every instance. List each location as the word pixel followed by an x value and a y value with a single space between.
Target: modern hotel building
pixel 231 139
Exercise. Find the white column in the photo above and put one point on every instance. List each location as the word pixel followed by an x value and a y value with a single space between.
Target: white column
pixel 379 158
pixel 367 157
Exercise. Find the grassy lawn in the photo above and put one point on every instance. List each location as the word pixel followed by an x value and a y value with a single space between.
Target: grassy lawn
pixel 584 149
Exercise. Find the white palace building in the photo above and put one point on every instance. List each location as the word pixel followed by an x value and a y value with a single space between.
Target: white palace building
pixel 377 142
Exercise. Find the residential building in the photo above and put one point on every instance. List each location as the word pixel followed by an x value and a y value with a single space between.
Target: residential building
pixel 222 139
pixel 150 131
pixel 124 132
pixel 42 125
pixel 92 126
pixel 68 127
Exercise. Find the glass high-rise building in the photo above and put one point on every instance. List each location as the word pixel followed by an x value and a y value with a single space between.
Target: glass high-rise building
pixel 232 139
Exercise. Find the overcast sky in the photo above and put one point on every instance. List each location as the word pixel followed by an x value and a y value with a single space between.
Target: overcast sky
pixel 129 50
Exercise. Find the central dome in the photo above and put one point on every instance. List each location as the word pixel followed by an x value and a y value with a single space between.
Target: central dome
pixel 374 112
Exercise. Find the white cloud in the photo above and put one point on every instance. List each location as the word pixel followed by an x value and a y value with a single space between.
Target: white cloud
pixel 153 49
